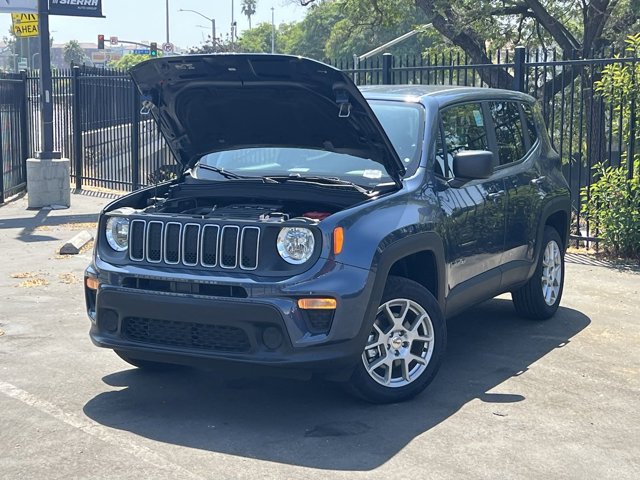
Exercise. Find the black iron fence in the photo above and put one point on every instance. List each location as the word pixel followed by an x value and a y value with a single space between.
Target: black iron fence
pixel 13 139
pixel 584 130
pixel 97 124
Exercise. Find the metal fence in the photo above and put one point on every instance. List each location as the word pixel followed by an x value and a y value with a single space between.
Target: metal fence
pixel 97 124
pixel 583 129
pixel 13 139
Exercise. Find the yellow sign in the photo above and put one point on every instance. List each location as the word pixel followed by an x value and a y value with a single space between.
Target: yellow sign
pixel 25 24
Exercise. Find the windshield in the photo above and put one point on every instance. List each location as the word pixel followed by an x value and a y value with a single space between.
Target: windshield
pixel 403 123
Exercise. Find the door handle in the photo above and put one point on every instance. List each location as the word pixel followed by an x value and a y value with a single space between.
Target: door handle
pixel 495 195
pixel 538 181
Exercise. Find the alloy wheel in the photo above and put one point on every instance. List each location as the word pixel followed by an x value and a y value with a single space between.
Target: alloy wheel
pixel 551 273
pixel 400 344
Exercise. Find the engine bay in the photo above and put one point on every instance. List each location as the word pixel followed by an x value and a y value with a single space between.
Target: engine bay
pixel 216 209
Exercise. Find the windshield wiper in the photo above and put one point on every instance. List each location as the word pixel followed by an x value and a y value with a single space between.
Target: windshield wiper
pixel 221 171
pixel 317 179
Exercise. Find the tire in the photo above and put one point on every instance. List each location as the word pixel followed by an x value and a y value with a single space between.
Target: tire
pixel 408 352
pixel 143 364
pixel 540 297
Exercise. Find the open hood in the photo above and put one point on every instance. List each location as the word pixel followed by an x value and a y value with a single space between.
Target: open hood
pixel 211 103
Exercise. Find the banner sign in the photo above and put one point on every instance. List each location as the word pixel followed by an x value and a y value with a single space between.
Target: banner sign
pixel 9 6
pixel 25 24
pixel 75 8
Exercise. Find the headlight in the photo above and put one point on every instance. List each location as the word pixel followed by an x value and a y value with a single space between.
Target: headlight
pixel 118 233
pixel 295 244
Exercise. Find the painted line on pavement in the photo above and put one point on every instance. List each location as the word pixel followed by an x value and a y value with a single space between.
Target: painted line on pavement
pixel 96 430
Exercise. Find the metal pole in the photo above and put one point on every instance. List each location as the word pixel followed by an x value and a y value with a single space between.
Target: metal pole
pixel 519 68
pixel 233 26
pixel 213 31
pixel 273 31
pixel 46 86
pixel 168 22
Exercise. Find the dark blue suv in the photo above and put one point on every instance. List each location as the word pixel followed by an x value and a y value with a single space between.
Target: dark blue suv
pixel 323 229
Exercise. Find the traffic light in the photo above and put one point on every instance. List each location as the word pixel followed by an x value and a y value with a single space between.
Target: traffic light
pixel 100 42
pixel 154 49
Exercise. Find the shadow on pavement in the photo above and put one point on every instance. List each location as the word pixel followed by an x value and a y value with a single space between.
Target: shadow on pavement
pixel 29 225
pixel 315 424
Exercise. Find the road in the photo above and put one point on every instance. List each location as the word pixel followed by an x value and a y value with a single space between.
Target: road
pixel 514 399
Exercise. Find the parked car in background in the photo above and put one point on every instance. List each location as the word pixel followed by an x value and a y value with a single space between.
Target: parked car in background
pixel 321 228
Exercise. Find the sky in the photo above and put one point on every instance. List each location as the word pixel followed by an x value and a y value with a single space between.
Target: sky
pixel 145 20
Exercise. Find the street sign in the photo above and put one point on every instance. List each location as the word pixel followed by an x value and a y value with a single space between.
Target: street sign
pixel 167 47
pixel 113 40
pixel 76 8
pixel 25 24
pixel 141 51
pixel 23 64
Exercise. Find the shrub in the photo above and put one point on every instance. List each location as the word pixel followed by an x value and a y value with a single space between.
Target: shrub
pixel 613 208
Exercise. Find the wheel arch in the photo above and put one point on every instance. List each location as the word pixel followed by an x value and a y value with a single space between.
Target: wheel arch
pixel 419 257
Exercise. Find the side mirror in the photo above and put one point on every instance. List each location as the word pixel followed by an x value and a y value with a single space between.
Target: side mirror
pixel 473 164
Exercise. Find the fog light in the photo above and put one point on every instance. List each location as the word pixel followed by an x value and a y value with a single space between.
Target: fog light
pixel 317 303
pixel 108 320
pixel 91 283
pixel 272 338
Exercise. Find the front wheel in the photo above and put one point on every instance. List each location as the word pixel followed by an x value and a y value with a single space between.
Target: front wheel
pixel 540 297
pixel 405 347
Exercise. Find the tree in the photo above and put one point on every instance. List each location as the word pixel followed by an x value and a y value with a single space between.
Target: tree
pixel 129 60
pixel 248 8
pixel 74 53
pixel 257 40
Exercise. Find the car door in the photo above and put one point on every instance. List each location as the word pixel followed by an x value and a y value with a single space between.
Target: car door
pixel 474 210
pixel 518 165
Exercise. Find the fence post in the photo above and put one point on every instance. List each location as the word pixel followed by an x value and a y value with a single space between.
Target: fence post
pixel 519 68
pixel 632 139
pixel 135 140
pixel 76 125
pixel 24 126
pixel 387 65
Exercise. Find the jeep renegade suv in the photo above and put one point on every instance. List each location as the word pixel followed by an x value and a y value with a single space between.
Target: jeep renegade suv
pixel 318 227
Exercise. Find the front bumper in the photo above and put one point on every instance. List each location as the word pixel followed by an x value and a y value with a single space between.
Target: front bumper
pixel 265 328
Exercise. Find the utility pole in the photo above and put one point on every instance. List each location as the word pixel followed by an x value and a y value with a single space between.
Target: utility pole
pixel 48 181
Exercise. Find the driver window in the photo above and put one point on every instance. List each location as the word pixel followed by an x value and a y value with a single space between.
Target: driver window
pixel 464 129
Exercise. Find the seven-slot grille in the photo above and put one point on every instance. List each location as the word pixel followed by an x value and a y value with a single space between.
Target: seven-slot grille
pixel 192 244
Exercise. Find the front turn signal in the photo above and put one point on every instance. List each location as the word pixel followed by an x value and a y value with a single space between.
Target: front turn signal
pixel 317 303
pixel 91 283
pixel 338 240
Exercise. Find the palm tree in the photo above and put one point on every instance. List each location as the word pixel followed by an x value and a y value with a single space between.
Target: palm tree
pixel 249 8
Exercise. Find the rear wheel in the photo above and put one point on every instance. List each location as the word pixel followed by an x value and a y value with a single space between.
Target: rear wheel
pixel 405 347
pixel 540 297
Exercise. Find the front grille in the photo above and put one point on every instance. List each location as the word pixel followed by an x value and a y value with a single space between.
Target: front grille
pixel 193 244
pixel 220 338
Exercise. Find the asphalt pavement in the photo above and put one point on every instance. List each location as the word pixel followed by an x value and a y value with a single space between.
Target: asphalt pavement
pixel 514 398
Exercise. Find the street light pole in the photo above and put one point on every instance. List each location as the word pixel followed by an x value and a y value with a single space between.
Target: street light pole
pixel 233 23
pixel 273 31
pixel 212 20
pixel 168 22
pixel 46 86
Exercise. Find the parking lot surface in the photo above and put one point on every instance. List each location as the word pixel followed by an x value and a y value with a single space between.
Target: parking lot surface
pixel 514 399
